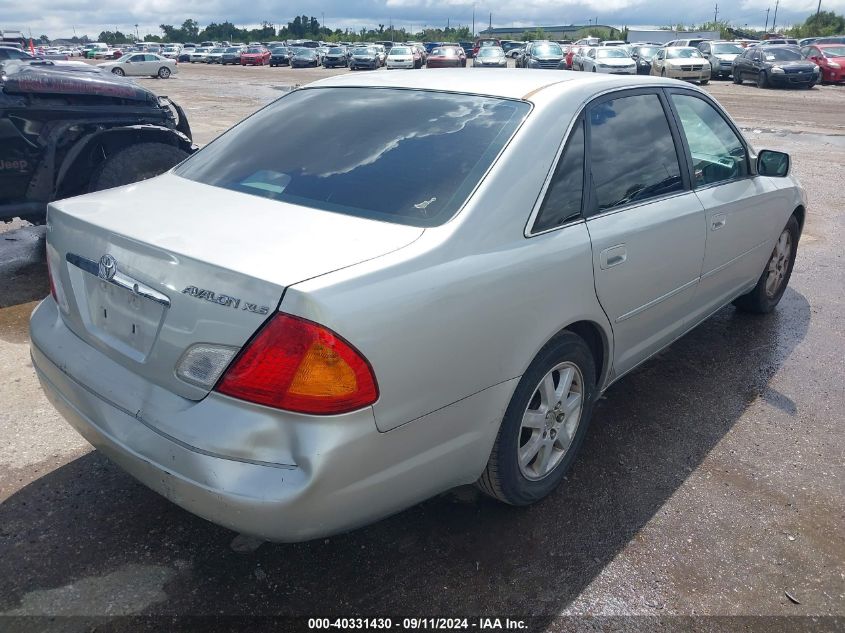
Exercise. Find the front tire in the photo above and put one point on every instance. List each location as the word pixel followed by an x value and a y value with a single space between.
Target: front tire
pixel 544 424
pixel 118 71
pixel 762 80
pixel 164 72
pixel 775 278
pixel 135 163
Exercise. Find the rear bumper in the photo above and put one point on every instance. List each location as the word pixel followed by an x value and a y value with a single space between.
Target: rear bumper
pixel 343 472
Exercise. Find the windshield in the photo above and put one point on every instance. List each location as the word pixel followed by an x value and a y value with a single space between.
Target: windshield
pixel 834 51
pixel 546 49
pixel 306 52
pixel 400 50
pixel 218 50
pixel 364 51
pixel 233 49
pixel 335 51
pixel 682 53
pixel 255 51
pixel 288 151
pixel 490 51
pixel 610 52
pixel 726 49
pixel 781 55
pixel 444 52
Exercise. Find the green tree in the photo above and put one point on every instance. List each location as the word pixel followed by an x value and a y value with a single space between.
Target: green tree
pixel 825 23
pixel 44 39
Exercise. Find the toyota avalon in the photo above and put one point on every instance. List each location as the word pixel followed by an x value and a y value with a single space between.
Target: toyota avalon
pixel 323 336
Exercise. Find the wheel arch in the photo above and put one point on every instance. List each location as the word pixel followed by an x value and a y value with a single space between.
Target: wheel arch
pixel 800 214
pixel 91 151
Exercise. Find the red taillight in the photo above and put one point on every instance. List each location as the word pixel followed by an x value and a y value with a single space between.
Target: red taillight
pixel 300 366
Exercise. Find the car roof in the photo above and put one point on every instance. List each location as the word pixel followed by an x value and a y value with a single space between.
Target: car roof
pixel 510 84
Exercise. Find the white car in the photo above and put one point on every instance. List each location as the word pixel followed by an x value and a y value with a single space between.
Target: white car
pixel 610 60
pixel 400 57
pixel 681 62
pixel 200 54
pixel 171 52
pixel 214 56
pixel 141 65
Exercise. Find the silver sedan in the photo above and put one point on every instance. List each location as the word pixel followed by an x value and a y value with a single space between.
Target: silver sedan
pixel 321 338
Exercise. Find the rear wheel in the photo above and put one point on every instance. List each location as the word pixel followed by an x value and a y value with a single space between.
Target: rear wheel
pixel 544 423
pixel 775 278
pixel 118 71
pixel 135 163
pixel 164 72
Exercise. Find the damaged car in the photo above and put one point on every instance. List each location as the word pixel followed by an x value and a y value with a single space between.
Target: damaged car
pixel 72 129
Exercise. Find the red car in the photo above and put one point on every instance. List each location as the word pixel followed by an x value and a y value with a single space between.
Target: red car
pixel 254 56
pixel 830 58
pixel 445 57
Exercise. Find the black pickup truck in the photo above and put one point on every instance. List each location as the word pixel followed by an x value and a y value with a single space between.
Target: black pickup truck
pixel 68 129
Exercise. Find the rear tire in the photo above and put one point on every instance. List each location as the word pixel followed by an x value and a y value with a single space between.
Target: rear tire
pixel 775 278
pixel 704 82
pixel 535 417
pixel 135 163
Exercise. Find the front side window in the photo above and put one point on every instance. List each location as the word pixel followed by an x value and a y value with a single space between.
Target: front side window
pixel 565 192
pixel 289 151
pixel 717 153
pixel 633 154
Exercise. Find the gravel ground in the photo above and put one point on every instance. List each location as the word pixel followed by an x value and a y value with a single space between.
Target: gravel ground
pixel 712 482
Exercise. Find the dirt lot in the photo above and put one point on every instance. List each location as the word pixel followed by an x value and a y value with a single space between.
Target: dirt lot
pixel 712 482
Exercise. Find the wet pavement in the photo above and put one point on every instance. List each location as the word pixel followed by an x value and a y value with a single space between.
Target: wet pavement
pixel 712 481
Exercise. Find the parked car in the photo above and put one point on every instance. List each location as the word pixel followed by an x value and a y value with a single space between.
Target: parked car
pixel 578 57
pixel 775 66
pixel 382 53
pixel 830 58
pixel 693 42
pixel 835 39
pixel 681 62
pixel 280 56
pixel 203 350
pixel 171 52
pixel 643 55
pixel 364 57
pixel 232 55
pixel 305 58
pixel 336 57
pixel 184 56
pixel 515 51
pixel 481 42
pixel 215 55
pixel 469 49
pixel 490 57
pixel 255 56
pixel 721 56
pixel 547 55
pixel 779 41
pixel 610 60
pixel 199 54
pixel 116 132
pixel 444 57
pixel 403 57
pixel 11 53
pixel 141 65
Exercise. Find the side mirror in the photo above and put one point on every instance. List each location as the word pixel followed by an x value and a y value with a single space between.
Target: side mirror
pixel 771 163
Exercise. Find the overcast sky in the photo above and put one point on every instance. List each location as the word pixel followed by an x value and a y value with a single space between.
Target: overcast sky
pixel 59 18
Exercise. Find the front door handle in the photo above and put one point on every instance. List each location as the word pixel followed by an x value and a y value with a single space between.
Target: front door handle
pixel 718 221
pixel 613 256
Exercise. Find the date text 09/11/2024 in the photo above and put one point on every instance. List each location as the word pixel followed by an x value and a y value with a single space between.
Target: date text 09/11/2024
pixel 418 623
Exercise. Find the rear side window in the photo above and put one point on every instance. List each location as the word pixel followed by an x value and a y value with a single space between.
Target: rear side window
pixel 364 158
pixel 633 154
pixel 563 197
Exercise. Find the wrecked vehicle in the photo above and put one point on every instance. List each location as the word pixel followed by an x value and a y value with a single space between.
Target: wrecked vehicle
pixel 72 129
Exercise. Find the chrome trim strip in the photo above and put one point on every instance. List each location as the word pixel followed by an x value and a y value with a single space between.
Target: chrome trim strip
pixel 120 280
pixel 654 302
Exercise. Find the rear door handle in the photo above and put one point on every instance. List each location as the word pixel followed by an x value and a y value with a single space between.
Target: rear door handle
pixel 613 256
pixel 718 221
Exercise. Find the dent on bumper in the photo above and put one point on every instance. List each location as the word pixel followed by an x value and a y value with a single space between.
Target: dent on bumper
pixel 345 475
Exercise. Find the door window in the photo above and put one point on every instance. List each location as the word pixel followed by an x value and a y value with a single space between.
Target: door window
pixel 633 155
pixel 717 152
pixel 563 197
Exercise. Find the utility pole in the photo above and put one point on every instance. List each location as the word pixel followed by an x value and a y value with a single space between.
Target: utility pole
pixel 775 19
pixel 716 15
pixel 136 32
pixel 766 28
pixel 490 26
pixel 819 8
pixel 473 20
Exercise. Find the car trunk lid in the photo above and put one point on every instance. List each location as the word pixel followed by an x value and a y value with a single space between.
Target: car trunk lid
pixel 150 269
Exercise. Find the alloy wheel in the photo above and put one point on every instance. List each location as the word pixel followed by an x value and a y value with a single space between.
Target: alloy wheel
pixel 779 264
pixel 550 421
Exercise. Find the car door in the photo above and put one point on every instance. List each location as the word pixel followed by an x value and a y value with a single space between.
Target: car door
pixel 134 66
pixel 739 205
pixel 646 225
pixel 590 62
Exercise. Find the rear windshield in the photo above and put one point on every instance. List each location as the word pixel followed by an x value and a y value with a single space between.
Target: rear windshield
pixel 363 159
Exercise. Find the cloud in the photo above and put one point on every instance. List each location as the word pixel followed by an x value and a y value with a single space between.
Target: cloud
pixel 59 18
